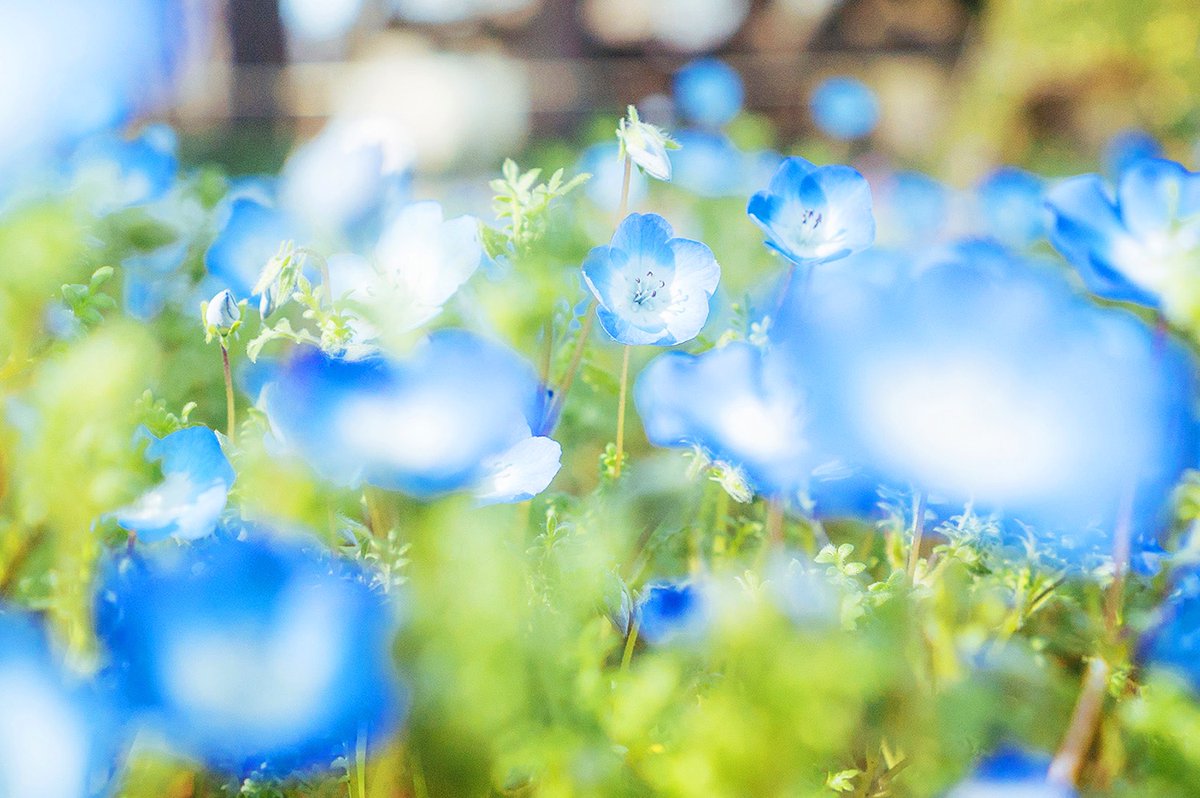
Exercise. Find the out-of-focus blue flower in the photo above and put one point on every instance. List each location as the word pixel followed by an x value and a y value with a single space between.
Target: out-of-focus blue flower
pixel 734 403
pixel 110 57
pixel 709 92
pixel 196 482
pixel 1174 642
pixel 844 108
pixel 1127 148
pixel 815 214
pixel 121 172
pixel 982 378
pixel 646 145
pixel 709 164
pixel 671 611
pixel 1136 243
pixel 912 208
pixel 603 163
pixel 252 655
pixel 1011 773
pixel 651 288
pixel 1012 206
pixel 456 415
pixel 249 236
pixel 57 739
pixel 342 181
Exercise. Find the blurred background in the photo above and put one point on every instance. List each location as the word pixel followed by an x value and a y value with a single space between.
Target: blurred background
pixel 453 86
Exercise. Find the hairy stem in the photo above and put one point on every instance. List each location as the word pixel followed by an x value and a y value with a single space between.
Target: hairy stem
pixel 230 416
pixel 621 402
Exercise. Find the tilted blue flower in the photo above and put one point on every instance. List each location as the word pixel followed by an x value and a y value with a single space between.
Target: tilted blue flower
pixel 455 415
pixel 249 236
pixel 252 655
pixel 646 146
pixel 1011 773
pixel 1134 244
pixel 1012 206
pixel 59 738
pixel 672 611
pixel 815 214
pixel 651 288
pixel 979 377
pixel 844 108
pixel 188 502
pixel 708 92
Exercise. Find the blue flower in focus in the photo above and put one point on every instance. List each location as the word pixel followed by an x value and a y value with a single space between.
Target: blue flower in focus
pixel 1011 773
pixel 652 288
pixel 1135 244
pixel 708 92
pixel 123 172
pixel 188 502
pixel 252 655
pixel 456 415
pixel 815 214
pixel 1012 206
pixel 844 108
pixel 249 236
pixel 1127 148
pixel 671 611
pixel 58 738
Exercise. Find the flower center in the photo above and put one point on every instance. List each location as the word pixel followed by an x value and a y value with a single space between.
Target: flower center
pixel 810 220
pixel 645 289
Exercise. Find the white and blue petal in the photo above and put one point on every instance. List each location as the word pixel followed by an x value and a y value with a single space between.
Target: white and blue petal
pixel 249 236
pixel 189 501
pixel 521 472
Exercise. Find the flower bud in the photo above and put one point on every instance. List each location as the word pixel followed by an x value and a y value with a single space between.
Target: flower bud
pixel 222 313
pixel 646 145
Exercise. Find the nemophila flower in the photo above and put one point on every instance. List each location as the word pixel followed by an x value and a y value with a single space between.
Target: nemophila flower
pixel 456 415
pixel 112 58
pixel 58 736
pixel 1011 773
pixel 603 163
pixel 844 108
pixel 815 214
pixel 339 183
pixel 252 655
pixel 672 612
pixel 710 165
pixel 1139 243
pixel 222 313
pixel 982 378
pixel 1012 206
pixel 1174 641
pixel 196 482
pixel 1127 148
pixel 249 235
pixel 646 145
pixel 651 288
pixel 122 172
pixel 708 92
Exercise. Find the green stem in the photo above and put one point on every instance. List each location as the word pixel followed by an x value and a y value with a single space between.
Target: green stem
pixel 918 532
pixel 623 208
pixel 621 402
pixel 230 417
pixel 775 523
pixel 630 644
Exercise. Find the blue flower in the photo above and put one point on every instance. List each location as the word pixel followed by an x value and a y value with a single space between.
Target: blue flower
pixel 1011 773
pixel 1174 642
pixel 1127 148
pixel 126 172
pixel 646 145
pixel 603 163
pixel 456 415
pixel 1012 206
pixel 189 501
pixel 58 738
pixel 709 92
pixel 815 214
pixel 844 108
pixel 1134 244
pixel 249 236
pixel 652 288
pixel 913 209
pixel 710 165
pixel 671 611
pixel 983 378
pixel 252 655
